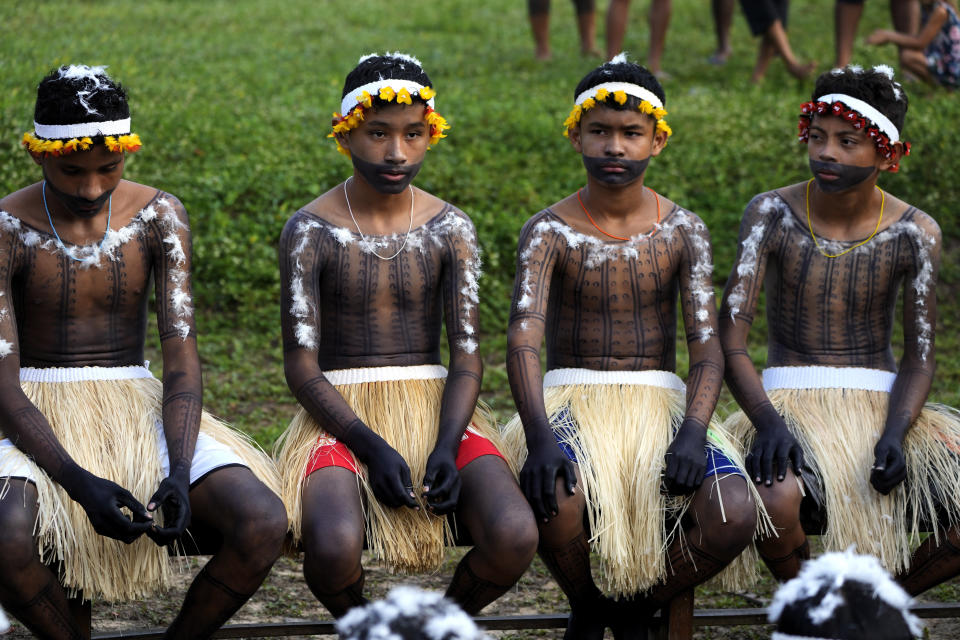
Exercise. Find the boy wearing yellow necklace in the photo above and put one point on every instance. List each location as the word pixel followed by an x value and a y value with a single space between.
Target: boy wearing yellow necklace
pixel 103 466
pixel 388 442
pixel 840 438
pixel 610 429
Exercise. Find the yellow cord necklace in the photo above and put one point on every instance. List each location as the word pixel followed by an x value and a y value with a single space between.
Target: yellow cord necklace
pixel 883 198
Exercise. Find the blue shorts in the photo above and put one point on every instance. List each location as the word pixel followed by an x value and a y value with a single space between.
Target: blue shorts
pixel 563 430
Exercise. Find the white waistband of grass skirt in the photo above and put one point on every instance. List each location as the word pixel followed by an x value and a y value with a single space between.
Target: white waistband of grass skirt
pixel 828 378
pixel 385 374
pixel 82 374
pixel 663 379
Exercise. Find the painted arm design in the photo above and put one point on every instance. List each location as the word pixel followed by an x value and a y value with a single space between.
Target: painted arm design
pixel 774 447
pixel 460 284
pixel 537 254
pixel 169 229
pixel 915 374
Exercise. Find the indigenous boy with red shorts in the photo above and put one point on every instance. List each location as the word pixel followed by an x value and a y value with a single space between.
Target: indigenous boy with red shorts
pixel 388 441
pixel 840 437
pixel 598 276
pixel 88 433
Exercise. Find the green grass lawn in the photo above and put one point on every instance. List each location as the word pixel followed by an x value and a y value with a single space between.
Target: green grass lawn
pixel 233 102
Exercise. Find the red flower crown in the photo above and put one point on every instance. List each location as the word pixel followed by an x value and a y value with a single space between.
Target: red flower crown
pixel 880 139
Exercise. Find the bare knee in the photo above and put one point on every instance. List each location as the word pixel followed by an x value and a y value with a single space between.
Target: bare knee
pixel 261 527
pixel 510 540
pixel 725 515
pixel 331 555
pixel 17 545
pixel 782 502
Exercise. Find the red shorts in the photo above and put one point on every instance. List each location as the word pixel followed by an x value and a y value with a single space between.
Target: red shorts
pixel 332 453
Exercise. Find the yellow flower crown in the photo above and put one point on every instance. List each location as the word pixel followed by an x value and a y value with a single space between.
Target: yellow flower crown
pixel 352 118
pixel 602 94
pixel 40 146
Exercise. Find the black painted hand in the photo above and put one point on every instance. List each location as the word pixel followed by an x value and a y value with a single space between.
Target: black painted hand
pixel 389 476
pixel 686 459
pixel 172 499
pixel 538 478
pixel 889 466
pixel 441 482
pixel 103 501
pixel 774 447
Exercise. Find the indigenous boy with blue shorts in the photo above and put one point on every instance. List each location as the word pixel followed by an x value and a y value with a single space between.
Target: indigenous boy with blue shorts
pixel 387 441
pixel 88 433
pixel 598 276
pixel 841 439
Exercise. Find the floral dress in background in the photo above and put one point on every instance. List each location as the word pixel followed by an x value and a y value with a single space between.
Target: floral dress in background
pixel 943 54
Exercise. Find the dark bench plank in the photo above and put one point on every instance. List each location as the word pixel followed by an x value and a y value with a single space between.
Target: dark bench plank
pixel 701 618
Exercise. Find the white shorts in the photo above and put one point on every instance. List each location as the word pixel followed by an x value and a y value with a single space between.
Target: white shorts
pixel 209 454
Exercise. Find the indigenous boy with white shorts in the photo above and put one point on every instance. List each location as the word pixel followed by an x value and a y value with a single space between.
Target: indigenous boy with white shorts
pixel 388 441
pixel 611 425
pixel 833 408
pixel 90 436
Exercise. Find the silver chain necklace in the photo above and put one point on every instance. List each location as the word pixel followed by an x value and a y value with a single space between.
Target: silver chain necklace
pixel 364 238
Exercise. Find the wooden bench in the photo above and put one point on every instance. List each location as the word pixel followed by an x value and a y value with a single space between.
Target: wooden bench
pixel 700 618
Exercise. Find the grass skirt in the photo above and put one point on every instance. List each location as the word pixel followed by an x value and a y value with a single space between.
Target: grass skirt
pixel 109 428
pixel 837 430
pixel 405 413
pixel 620 461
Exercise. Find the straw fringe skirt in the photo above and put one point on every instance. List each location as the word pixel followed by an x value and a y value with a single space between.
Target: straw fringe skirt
pixel 837 429
pixel 620 434
pixel 406 413
pixel 109 427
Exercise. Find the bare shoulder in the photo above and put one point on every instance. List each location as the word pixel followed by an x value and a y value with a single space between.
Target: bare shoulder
pixel 568 210
pixel 673 215
pixel 777 201
pixel 427 206
pixel 25 205
pixel 918 224
pixel 329 206
pixel 545 221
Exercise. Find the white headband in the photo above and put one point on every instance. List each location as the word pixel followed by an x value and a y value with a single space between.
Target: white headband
pixel 373 88
pixel 82 130
pixel 883 122
pixel 630 89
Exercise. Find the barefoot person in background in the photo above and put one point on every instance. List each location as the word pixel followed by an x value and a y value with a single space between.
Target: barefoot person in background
pixel 539 12
pixel 768 19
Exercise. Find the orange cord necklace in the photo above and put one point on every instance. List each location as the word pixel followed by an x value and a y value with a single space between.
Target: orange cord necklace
pixel 594 222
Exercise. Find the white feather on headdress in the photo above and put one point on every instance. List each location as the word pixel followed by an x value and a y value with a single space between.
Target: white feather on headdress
pixel 885 69
pixel 84 72
pixel 403 56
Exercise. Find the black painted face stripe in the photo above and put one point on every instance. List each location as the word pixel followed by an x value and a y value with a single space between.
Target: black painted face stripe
pixel 633 169
pixel 848 175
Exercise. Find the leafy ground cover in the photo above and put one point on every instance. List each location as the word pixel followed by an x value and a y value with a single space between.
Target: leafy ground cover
pixel 233 102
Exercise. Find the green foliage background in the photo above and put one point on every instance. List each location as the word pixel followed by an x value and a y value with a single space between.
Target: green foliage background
pixel 233 102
